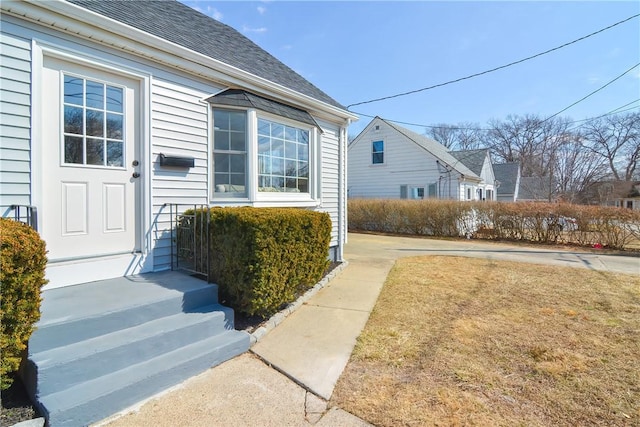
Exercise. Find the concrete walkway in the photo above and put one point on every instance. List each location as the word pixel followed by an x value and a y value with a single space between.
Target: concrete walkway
pixel 310 348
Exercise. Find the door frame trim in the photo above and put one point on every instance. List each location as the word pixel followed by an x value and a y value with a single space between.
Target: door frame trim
pixel 39 50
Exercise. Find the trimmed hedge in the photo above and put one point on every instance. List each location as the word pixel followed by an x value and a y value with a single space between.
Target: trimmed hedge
pixel 22 264
pixel 610 227
pixel 263 258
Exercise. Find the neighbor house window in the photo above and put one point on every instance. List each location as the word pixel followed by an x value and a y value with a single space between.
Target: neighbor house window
pixel 433 190
pixel 283 158
pixel 377 152
pixel 230 153
pixel 93 123
pixel 468 193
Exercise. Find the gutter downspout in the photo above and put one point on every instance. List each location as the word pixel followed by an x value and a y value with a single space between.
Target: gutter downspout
pixel 342 197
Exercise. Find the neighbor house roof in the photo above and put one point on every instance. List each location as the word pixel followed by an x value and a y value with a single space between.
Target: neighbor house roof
pixel 184 26
pixel 507 175
pixel 473 159
pixel 535 188
pixel 435 148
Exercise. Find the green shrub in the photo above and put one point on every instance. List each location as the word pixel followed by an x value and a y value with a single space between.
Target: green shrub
pixel 22 263
pixel 263 258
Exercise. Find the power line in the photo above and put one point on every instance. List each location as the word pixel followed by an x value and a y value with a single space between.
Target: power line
pixel 493 69
pixel 592 93
pixel 614 111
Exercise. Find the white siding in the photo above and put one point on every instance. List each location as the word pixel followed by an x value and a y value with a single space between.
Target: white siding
pixel 330 171
pixel 15 121
pixel 405 163
pixel 179 126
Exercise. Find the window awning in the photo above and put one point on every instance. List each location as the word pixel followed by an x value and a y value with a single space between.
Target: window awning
pixel 242 98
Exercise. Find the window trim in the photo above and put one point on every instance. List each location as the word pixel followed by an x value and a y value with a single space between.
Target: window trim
pixel 373 163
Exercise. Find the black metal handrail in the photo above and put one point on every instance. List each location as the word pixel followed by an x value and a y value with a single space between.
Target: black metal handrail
pixel 27 214
pixel 189 239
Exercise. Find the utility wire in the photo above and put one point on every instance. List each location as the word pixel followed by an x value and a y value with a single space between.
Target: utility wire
pixel 592 93
pixel 614 111
pixel 493 69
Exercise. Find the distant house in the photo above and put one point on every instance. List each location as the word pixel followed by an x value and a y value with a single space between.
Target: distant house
pixel 536 189
pixel 622 194
pixel 388 161
pixel 507 181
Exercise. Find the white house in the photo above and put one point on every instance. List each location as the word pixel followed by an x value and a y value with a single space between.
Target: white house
pixel 111 110
pixel 388 161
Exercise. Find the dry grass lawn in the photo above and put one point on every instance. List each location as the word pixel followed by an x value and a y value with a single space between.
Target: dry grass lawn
pixel 460 341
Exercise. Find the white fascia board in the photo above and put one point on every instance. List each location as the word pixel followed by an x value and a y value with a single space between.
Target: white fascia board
pixel 74 19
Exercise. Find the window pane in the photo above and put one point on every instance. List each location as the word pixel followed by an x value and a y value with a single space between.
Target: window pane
pixel 221 119
pixel 378 146
pixel 291 168
pixel 95 123
pixel 263 144
pixel 237 163
pixel 95 152
pixel 283 160
pixel 73 150
pixel 114 126
pixel 73 120
pixel 277 166
pixel 73 90
pixel 290 150
pixel 95 95
pixel 221 179
pixel 115 153
pixel 277 131
pixel 238 121
pixel 264 127
pixel 221 140
pixel 378 158
pixel 238 141
pixel 237 180
pixel 221 162
pixel 115 99
pixel 303 185
pixel 290 134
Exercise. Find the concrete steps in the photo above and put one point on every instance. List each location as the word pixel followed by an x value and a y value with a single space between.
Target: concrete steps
pixel 103 346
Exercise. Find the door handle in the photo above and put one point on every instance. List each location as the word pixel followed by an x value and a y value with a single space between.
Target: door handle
pixel 136 175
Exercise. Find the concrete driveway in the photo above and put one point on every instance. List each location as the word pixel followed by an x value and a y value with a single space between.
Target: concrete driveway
pixel 362 247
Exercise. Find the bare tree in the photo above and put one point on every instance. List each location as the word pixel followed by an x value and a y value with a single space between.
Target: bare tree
pixel 530 140
pixel 617 140
pixel 463 136
pixel 576 169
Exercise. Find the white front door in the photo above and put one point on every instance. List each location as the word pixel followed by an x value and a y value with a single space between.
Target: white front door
pixel 91 172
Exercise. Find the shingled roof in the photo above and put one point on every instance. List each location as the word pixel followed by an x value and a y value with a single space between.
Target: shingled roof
pixel 473 159
pixel 184 26
pixel 507 175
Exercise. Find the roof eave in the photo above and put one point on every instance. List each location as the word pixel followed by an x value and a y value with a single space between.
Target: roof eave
pixel 33 9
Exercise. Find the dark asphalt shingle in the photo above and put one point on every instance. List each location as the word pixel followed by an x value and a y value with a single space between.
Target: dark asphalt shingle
pixel 182 25
pixel 473 159
pixel 507 175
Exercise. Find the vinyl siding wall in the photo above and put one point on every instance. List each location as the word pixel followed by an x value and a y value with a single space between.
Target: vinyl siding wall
pixel 15 121
pixel 329 174
pixel 405 163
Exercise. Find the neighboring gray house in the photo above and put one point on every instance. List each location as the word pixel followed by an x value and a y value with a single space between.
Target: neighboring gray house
pixel 507 180
pixel 97 92
pixel 391 162
pixel 536 189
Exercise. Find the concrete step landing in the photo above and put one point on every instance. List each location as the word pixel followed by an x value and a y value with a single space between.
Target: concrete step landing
pixel 103 346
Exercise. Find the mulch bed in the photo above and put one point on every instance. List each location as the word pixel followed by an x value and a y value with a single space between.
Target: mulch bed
pixel 16 405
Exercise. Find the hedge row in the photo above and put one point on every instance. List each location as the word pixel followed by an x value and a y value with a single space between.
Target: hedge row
pixel 262 259
pixel 532 222
pixel 22 264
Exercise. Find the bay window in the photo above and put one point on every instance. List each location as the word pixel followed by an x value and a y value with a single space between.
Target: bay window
pixel 263 151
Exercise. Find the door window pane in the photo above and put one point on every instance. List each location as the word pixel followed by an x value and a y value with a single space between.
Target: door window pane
pixel 93 113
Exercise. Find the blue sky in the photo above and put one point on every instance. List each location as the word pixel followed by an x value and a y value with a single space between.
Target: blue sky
pixel 360 50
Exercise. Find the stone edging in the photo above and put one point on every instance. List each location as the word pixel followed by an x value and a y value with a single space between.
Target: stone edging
pixel 277 318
